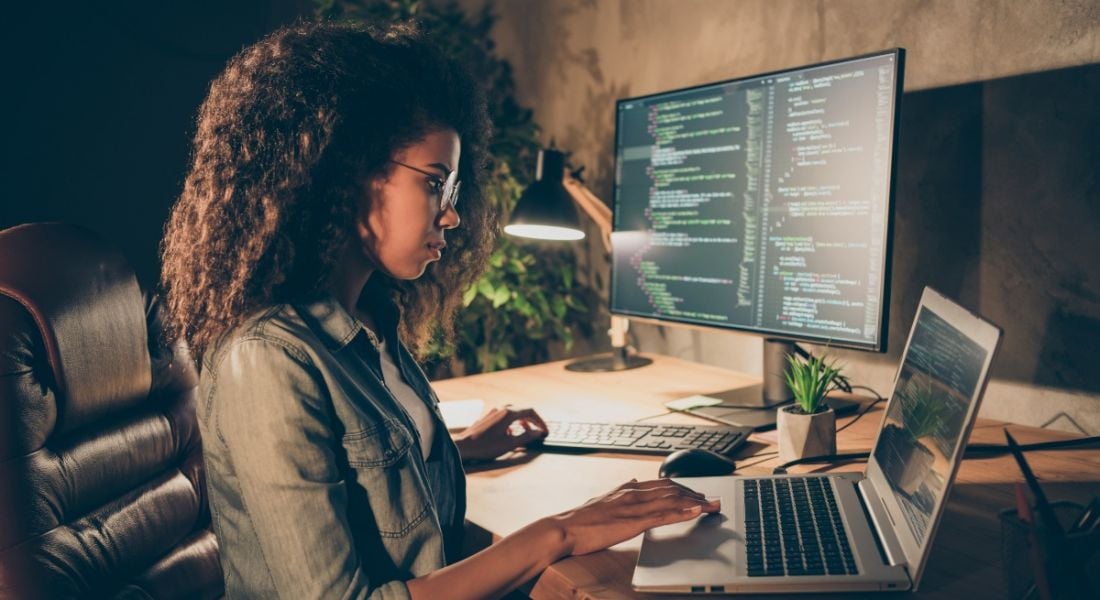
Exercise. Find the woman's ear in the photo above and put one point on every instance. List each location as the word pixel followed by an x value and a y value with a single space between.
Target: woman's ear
pixel 364 229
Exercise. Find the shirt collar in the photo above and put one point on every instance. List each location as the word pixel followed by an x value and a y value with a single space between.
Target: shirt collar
pixel 328 318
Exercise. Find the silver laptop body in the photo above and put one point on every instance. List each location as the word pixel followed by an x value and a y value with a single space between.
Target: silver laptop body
pixel 890 512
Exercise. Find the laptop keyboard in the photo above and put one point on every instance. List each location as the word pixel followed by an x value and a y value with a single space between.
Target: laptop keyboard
pixel 793 527
pixel 645 438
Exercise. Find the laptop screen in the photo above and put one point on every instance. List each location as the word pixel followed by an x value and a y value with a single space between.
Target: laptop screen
pixel 927 417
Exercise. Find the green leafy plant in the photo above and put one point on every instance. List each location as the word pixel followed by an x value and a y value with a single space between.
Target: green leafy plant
pixel 810 379
pixel 922 410
pixel 528 299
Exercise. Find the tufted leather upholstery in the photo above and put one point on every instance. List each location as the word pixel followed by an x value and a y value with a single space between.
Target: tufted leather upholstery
pixel 101 485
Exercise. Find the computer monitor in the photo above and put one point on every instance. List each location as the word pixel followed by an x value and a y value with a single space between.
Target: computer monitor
pixel 762 204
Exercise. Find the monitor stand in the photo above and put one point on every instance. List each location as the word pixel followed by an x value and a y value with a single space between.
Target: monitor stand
pixel 620 358
pixel 756 406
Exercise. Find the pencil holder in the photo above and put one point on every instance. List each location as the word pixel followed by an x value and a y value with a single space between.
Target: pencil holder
pixel 1070 567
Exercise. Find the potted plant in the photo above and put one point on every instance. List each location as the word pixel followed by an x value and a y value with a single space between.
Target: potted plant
pixel 808 427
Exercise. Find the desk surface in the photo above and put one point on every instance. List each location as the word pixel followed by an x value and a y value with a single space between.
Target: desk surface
pixel 522 487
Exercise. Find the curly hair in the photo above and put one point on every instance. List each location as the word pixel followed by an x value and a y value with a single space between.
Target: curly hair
pixel 285 139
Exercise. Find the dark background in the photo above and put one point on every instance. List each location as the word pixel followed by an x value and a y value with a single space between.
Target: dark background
pixel 103 102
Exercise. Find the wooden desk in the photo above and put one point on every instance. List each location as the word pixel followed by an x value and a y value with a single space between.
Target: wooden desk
pixel 515 490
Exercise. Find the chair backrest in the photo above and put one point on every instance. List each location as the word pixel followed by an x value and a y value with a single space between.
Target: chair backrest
pixel 101 485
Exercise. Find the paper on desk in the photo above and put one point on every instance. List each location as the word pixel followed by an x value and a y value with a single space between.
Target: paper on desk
pixel 691 402
pixel 460 414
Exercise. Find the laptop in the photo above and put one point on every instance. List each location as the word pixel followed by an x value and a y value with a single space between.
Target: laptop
pixel 850 531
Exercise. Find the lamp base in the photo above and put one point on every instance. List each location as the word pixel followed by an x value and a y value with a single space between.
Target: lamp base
pixel 608 363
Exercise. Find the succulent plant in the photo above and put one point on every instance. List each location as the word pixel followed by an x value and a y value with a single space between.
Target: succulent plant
pixel 810 379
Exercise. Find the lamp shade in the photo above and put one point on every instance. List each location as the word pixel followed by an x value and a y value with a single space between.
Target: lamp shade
pixel 546 211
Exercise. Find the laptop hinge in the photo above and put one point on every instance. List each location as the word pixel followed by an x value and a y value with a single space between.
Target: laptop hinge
pixel 881 523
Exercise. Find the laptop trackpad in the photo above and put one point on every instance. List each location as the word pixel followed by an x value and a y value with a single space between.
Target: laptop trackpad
pixel 709 538
pixel 702 550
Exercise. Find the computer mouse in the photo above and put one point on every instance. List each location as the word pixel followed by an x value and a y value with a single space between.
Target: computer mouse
pixel 696 462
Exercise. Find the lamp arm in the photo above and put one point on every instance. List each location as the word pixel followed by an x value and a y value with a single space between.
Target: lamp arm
pixel 591 205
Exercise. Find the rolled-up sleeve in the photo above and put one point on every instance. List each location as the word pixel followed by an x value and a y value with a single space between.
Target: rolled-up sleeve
pixel 274 417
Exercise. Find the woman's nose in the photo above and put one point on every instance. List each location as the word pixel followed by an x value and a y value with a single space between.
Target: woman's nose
pixel 449 218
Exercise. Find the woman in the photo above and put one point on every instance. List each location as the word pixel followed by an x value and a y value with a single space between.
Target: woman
pixel 303 260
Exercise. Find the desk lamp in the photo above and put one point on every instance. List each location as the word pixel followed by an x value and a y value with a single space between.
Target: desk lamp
pixel 547 211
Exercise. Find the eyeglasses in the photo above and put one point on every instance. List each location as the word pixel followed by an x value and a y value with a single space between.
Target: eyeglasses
pixel 446 189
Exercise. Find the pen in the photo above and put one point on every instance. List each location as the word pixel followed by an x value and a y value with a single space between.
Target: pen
pixel 1050 521
pixel 1023 511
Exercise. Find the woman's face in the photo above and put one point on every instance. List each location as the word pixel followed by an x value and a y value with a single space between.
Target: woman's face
pixel 401 223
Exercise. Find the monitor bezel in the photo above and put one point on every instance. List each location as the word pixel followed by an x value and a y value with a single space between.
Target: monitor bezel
pixel 988 336
pixel 880 344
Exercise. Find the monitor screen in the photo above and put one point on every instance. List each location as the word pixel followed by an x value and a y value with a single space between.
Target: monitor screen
pixel 761 204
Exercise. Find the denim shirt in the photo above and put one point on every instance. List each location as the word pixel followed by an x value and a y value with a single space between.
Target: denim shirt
pixel 316 481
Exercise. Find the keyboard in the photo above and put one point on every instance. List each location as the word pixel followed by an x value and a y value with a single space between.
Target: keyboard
pixel 793 527
pixel 644 438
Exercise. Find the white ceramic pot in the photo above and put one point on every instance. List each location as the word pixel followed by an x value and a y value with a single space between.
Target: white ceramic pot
pixel 805 435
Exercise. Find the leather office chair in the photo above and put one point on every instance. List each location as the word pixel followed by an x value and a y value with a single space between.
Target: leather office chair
pixel 101 485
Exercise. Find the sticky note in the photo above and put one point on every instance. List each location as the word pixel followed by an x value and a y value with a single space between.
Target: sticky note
pixel 691 402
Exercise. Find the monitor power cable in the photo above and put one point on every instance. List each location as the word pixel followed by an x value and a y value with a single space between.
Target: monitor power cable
pixel 648 417
pixel 972 451
pixel 866 409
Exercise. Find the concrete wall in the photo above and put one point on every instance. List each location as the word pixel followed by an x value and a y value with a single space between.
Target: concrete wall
pixel 997 202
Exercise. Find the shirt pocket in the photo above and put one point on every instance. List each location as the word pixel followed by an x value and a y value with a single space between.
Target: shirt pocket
pixel 383 467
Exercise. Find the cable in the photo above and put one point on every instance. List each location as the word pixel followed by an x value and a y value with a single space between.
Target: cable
pixel 995 449
pixel 764 456
pixel 878 396
pixel 667 412
pixel 866 409
pixel 972 451
pixel 826 458
pixel 859 416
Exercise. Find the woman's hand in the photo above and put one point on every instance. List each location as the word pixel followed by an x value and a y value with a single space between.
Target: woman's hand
pixel 501 430
pixel 627 511
pixel 605 521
